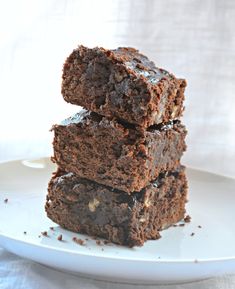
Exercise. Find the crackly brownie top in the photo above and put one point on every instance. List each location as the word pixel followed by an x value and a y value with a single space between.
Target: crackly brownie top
pixel 81 117
pixel 140 64
pixel 133 61
pixel 85 117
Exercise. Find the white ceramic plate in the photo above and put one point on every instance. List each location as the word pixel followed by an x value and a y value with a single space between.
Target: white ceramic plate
pixel 176 257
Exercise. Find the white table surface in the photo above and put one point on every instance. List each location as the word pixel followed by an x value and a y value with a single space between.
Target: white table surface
pixel 194 39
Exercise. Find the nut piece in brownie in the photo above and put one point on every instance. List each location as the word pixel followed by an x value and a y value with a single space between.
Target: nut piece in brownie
pixel 116 154
pixel 122 83
pixel 84 206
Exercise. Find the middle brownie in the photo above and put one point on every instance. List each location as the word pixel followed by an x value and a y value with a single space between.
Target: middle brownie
pixel 114 153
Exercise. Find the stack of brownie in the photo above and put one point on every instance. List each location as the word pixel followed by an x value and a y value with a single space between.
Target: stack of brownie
pixel 119 174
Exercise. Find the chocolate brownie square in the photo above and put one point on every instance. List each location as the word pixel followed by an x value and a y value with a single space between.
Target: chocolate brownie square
pixel 84 206
pixel 122 83
pixel 114 153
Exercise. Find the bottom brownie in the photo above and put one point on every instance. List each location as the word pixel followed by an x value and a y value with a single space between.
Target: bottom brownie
pixel 84 206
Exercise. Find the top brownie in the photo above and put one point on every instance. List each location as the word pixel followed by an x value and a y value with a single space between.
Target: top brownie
pixel 122 83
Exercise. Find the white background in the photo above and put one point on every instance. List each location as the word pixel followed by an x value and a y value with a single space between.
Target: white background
pixel 191 38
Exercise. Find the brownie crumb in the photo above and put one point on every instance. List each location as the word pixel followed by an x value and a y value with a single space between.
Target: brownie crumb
pixel 60 238
pixel 181 225
pixel 199 226
pixel 44 234
pixel 106 242
pixel 98 242
pixel 87 239
pixel 52 228
pixel 39 236
pixel 78 241
pixel 102 249
pixel 192 234
pixel 25 232
pixel 175 225
pixel 187 219
pixel 6 201
pixel 196 261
